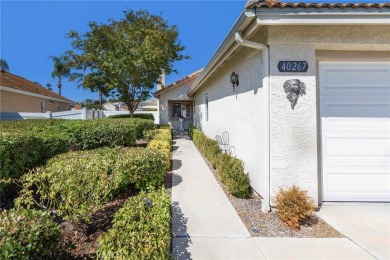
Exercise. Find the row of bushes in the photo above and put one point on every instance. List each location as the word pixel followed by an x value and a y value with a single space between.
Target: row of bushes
pixel 162 140
pixel 141 230
pixel 75 184
pixel 25 144
pixel 229 168
pixel 143 116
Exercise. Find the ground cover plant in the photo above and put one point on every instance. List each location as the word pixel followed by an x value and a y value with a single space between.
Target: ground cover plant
pixel 229 168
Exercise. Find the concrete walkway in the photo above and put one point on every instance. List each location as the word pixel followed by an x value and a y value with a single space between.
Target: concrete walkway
pixel 206 226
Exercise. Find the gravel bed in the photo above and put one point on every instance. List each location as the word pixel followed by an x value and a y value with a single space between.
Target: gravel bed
pixel 268 224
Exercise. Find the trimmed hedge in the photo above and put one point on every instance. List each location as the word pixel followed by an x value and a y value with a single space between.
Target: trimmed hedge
pixel 229 169
pixel 28 234
pixel 141 229
pixel 25 144
pixel 75 184
pixel 162 141
pixel 143 116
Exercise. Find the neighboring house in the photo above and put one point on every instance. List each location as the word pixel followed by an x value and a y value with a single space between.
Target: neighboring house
pixel 116 106
pixel 18 94
pixel 312 105
pixel 174 102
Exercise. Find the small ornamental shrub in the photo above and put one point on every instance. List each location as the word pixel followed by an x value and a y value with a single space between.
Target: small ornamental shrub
pixel 77 183
pixel 28 234
pixel 229 169
pixel 231 172
pixel 191 128
pixel 163 141
pixel 293 205
pixel 163 126
pixel 141 229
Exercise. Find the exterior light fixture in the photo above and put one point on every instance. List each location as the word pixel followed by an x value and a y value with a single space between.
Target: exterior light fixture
pixel 234 80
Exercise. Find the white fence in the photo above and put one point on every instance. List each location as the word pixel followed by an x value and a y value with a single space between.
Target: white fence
pixel 84 114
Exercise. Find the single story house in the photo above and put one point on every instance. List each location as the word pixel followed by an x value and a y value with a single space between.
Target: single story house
pixel 18 94
pixel 304 92
pixel 174 103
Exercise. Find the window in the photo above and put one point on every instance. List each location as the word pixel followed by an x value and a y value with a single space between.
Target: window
pixel 181 109
pixel 206 102
pixel 176 109
pixel 42 107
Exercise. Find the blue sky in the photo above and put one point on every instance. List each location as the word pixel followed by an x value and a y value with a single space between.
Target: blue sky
pixel 31 31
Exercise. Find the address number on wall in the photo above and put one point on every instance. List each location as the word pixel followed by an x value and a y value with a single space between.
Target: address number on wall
pixel 293 66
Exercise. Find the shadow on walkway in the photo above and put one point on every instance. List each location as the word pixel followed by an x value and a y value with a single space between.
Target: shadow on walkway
pixel 180 240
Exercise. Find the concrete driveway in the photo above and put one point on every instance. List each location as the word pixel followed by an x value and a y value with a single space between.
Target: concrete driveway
pixel 367 225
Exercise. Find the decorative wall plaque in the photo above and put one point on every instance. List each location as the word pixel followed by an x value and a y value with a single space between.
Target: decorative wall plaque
pixel 293 66
pixel 294 88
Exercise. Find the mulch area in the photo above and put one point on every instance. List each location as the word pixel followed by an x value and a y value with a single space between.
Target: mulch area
pixel 268 224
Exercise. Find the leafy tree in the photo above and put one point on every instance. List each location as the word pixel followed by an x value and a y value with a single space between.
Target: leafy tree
pixel 125 56
pixel 61 70
pixel 4 65
pixel 48 86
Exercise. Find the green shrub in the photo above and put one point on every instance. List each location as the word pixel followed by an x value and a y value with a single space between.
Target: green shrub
pixel 231 172
pixel 143 116
pixel 230 169
pixel 142 167
pixel 27 234
pixel 163 126
pixel 77 183
pixel 25 144
pixel 163 141
pixel 191 128
pixel 293 205
pixel 141 229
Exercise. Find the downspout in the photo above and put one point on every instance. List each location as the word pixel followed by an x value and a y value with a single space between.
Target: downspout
pixel 266 204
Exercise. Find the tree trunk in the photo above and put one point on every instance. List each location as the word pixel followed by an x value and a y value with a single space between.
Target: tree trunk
pixel 59 87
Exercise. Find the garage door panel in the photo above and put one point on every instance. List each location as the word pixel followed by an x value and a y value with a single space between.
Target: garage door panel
pixel 361 109
pixel 355 129
pixel 357 148
pixel 357 185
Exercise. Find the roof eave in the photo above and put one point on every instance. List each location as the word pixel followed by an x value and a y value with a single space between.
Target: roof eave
pixel 241 23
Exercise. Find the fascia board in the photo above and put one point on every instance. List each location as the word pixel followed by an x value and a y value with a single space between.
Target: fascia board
pixel 3 88
pixel 220 55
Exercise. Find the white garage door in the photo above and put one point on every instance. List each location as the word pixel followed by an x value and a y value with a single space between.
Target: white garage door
pixel 355 118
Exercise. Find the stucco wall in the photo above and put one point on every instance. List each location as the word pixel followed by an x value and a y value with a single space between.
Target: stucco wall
pixel 335 37
pixel 293 139
pixel 15 102
pixel 239 113
pixel 176 93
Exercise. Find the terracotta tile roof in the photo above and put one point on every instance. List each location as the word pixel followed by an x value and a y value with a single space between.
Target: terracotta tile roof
pixel 174 84
pixel 275 4
pixel 13 81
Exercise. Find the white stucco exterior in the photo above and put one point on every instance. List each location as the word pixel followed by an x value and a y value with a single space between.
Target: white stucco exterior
pixel 294 135
pixel 167 97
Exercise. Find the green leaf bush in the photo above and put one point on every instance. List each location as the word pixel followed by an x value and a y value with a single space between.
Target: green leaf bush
pixel 293 205
pixel 27 234
pixel 229 169
pixel 141 229
pixel 143 116
pixel 25 144
pixel 163 141
pixel 77 183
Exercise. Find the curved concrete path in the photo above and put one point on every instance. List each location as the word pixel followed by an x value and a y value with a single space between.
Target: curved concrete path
pixel 206 226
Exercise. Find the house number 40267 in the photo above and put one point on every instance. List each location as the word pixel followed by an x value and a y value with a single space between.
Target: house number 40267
pixel 293 66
